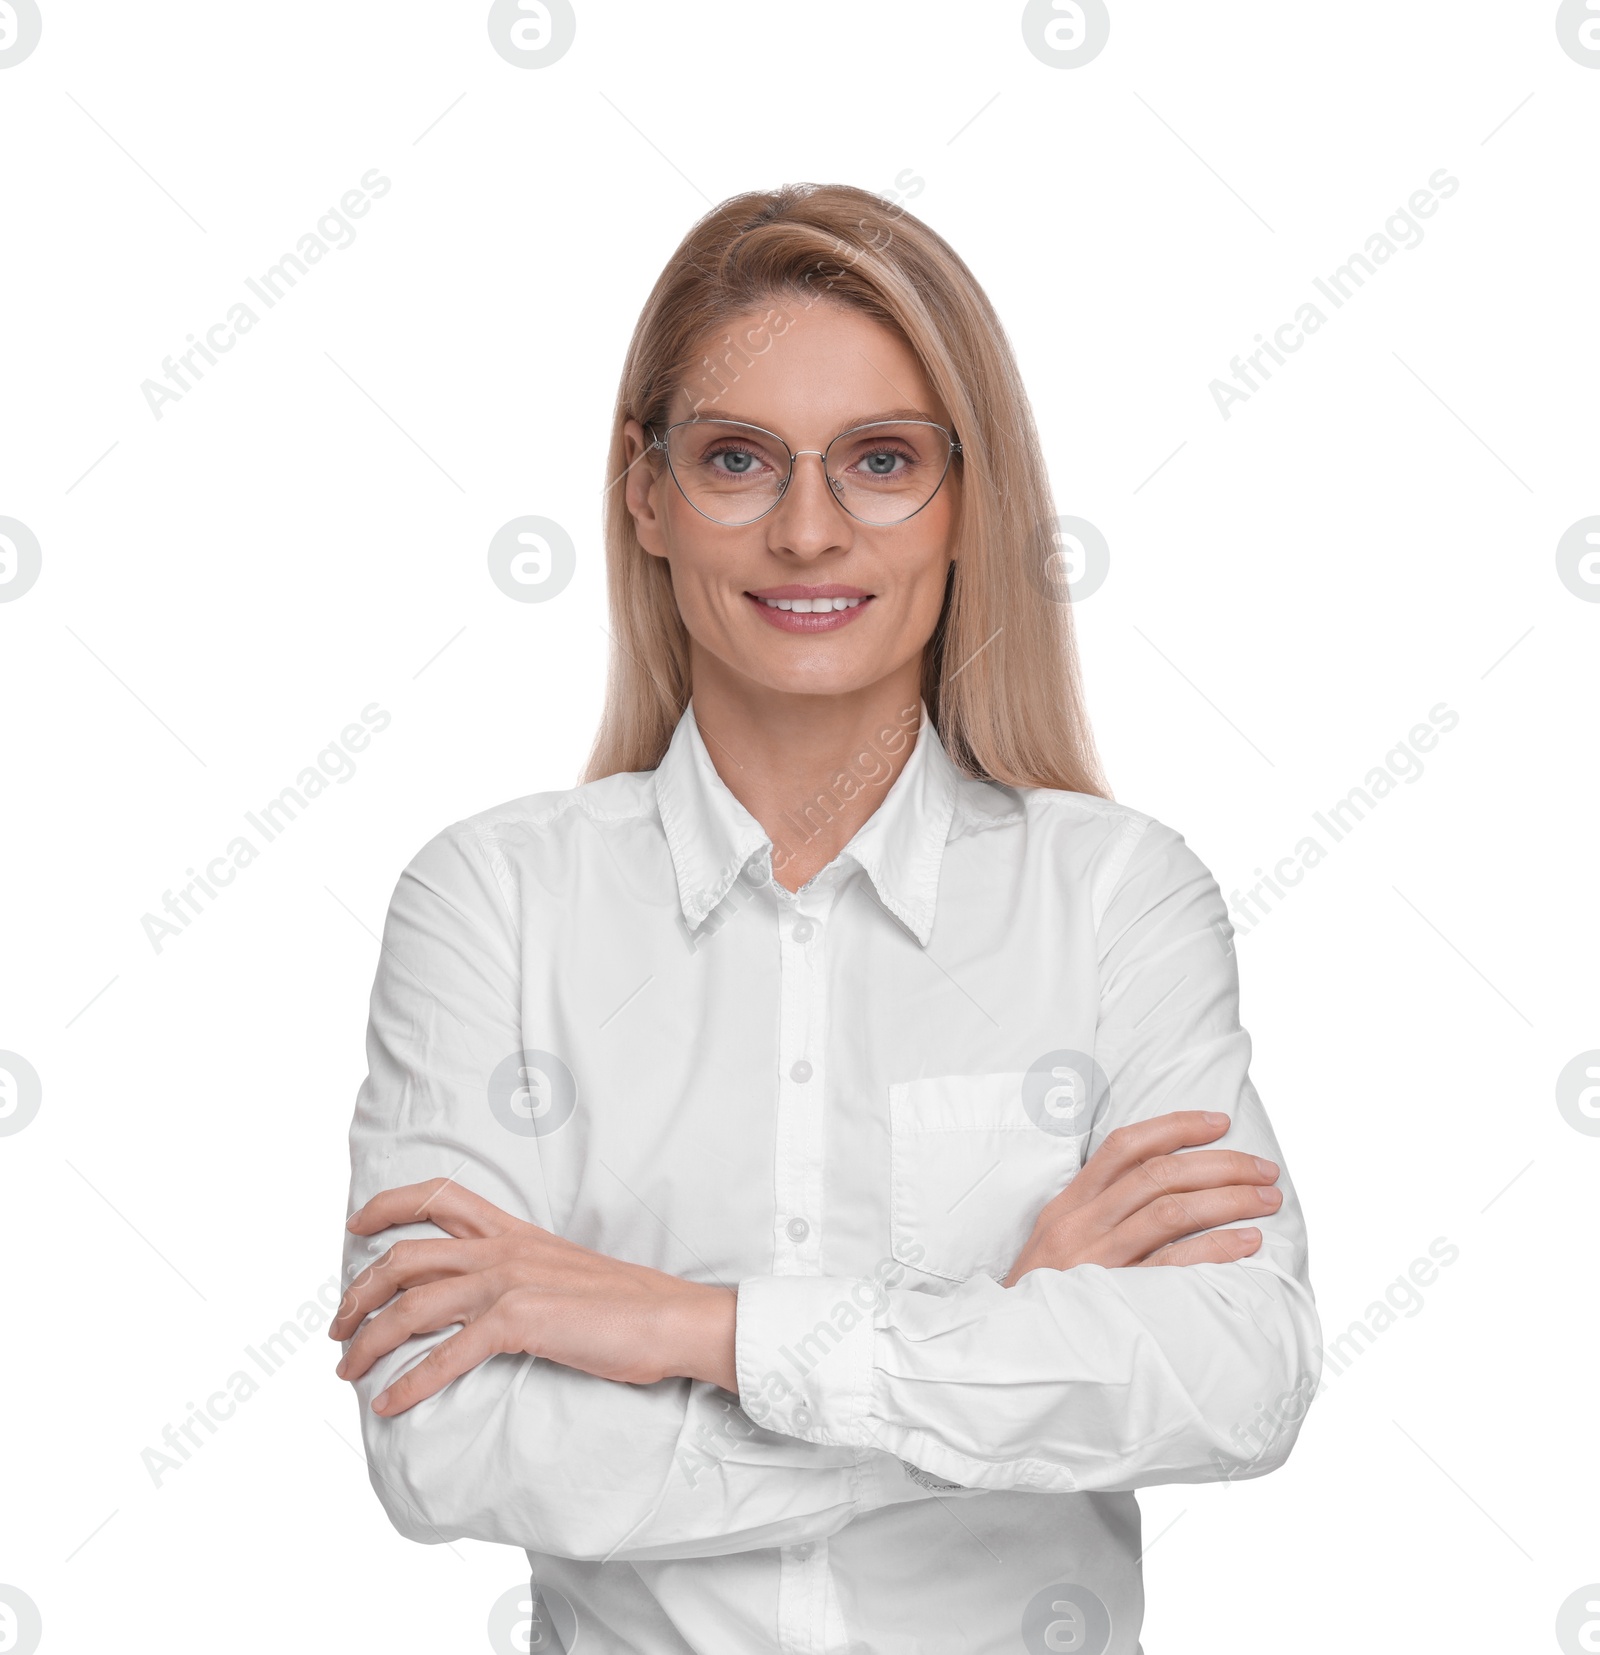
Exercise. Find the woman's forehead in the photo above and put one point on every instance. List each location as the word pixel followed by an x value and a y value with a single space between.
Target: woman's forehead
pixel 819 371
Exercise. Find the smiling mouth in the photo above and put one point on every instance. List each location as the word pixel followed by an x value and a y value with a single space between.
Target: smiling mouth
pixel 823 609
pixel 808 606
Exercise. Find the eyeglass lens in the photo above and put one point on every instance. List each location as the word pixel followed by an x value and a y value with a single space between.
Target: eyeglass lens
pixel 881 473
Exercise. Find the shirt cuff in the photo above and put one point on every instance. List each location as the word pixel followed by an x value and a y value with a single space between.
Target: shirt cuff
pixel 803 1356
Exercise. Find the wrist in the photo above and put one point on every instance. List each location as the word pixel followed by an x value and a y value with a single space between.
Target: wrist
pixel 701 1323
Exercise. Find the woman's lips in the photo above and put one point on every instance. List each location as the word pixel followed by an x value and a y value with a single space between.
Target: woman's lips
pixel 822 613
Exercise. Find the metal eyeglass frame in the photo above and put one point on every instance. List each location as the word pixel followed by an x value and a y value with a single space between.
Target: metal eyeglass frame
pixel 834 487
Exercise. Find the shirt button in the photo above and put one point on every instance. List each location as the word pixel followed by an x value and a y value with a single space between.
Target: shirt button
pixel 752 872
pixel 802 1416
pixel 803 1552
pixel 801 1071
pixel 803 931
pixel 797 1229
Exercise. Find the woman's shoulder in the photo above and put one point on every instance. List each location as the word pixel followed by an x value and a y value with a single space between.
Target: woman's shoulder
pixel 1084 818
pixel 520 827
pixel 1104 841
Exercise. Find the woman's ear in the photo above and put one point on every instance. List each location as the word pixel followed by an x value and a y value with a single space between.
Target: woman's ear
pixel 641 477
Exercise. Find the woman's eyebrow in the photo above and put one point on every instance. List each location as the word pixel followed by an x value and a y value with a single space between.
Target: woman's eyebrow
pixel 707 415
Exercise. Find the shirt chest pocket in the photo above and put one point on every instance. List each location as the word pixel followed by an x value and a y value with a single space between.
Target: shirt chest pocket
pixel 969 1170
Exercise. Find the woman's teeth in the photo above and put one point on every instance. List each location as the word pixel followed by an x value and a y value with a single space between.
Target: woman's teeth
pixel 810 606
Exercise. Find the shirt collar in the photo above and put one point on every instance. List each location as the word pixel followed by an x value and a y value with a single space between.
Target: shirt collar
pixel 900 847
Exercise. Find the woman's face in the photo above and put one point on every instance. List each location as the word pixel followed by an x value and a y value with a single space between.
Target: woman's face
pixel 831 369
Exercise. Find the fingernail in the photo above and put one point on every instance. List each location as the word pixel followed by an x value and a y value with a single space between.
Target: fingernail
pixel 350 1222
pixel 1267 1169
pixel 1214 1119
pixel 339 1369
pixel 379 1401
pixel 1249 1235
pixel 1270 1197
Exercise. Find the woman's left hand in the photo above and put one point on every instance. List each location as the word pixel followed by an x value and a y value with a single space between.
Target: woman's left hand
pixel 518 1288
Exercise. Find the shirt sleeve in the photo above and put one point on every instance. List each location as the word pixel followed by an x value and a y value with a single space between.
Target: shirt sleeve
pixel 521 1450
pixel 1089 1378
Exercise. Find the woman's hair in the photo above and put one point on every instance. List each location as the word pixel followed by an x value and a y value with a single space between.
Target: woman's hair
pixel 1000 673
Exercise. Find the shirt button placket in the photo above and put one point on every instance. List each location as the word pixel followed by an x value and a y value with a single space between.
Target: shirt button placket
pixel 803 1600
pixel 801 1045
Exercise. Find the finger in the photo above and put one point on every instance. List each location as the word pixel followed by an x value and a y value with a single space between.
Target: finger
pixel 1172 1217
pixel 1126 1146
pixel 440 1201
pixel 448 1360
pixel 1216 1247
pixel 406 1264
pixel 1178 1175
pixel 421 1310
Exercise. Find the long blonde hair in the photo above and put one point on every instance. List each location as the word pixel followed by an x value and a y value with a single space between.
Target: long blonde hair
pixel 1000 674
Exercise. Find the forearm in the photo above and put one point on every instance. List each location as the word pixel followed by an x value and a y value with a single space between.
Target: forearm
pixel 522 1451
pixel 1088 1378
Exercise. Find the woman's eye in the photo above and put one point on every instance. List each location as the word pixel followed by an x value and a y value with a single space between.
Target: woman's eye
pixel 740 463
pixel 882 462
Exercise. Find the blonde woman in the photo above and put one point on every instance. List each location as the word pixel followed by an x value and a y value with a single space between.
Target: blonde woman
pixel 809 1175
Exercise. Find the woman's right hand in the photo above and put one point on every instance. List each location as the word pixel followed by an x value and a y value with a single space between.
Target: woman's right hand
pixel 1137 1201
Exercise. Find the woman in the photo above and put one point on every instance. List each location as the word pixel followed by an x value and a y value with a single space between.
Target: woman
pixel 809 1172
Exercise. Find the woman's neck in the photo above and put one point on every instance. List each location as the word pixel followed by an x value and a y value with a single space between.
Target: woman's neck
pixel 810 768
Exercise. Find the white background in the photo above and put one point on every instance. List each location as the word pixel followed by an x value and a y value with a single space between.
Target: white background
pixel 304 533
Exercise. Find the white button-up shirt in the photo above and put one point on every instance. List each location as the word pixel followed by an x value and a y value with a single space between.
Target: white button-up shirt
pixel 598 1009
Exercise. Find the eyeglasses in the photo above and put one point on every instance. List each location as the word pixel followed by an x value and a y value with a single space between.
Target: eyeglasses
pixel 882 472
